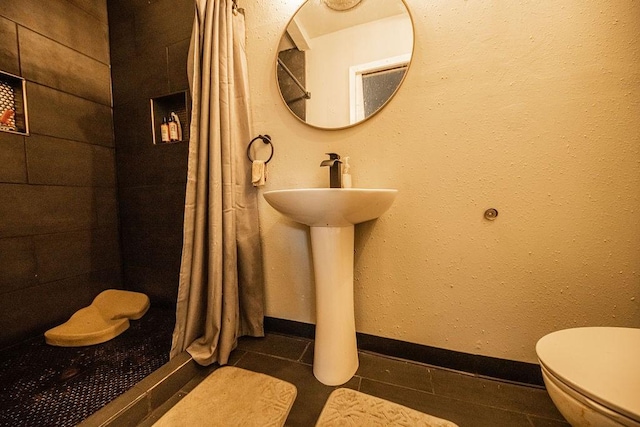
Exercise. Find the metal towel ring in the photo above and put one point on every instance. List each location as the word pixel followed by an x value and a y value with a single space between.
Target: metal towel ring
pixel 267 140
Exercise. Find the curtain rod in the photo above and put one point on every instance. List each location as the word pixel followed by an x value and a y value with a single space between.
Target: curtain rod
pixel 307 95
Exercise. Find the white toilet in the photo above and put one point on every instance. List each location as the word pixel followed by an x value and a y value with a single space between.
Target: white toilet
pixel 593 375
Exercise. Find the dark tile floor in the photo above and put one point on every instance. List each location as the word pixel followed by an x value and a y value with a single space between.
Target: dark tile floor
pixel 464 399
pixel 43 385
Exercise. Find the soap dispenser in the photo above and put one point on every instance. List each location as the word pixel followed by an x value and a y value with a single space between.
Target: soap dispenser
pixel 346 174
pixel 173 129
pixel 178 126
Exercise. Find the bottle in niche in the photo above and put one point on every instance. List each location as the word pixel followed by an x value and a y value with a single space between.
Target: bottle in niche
pixel 164 130
pixel 173 129
pixel 176 120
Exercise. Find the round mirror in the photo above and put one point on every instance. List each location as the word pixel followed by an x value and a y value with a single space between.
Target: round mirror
pixel 339 62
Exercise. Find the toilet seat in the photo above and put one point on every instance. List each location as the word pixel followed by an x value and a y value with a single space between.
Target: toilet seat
pixel 578 409
pixel 106 318
pixel 601 364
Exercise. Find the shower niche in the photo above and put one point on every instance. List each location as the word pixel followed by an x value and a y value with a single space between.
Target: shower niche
pixel 13 104
pixel 161 109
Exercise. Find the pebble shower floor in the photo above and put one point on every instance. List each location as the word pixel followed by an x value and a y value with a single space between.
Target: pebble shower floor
pixel 42 385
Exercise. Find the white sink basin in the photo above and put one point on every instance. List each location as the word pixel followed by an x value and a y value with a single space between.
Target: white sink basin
pixel 331 207
pixel 332 214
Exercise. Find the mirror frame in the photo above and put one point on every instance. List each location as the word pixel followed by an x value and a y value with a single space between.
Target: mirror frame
pixel 395 92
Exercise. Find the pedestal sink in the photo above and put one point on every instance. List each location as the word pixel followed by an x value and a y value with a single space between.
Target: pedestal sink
pixel 331 214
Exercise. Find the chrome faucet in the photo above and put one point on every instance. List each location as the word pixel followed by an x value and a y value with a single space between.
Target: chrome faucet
pixel 335 174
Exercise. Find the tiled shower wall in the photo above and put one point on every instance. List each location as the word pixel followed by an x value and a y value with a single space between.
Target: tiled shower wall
pixel 59 242
pixel 149 46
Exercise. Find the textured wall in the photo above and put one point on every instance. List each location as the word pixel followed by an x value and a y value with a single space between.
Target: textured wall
pixel 387 38
pixel 150 41
pixel 528 107
pixel 58 212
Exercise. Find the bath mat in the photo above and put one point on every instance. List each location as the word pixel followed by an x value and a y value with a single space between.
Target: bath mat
pixel 346 407
pixel 233 397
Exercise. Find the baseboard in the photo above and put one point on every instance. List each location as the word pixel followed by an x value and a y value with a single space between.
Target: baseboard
pixel 502 369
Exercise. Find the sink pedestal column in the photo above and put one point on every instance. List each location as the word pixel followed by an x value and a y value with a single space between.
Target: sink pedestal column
pixel 335 352
pixel 331 213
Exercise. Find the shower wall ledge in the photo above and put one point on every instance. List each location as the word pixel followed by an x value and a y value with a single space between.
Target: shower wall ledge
pixel 140 401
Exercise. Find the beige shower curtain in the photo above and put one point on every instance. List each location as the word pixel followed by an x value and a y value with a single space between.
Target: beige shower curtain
pixel 220 294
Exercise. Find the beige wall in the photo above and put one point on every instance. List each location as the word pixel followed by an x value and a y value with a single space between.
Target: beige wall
pixel 529 107
pixel 329 85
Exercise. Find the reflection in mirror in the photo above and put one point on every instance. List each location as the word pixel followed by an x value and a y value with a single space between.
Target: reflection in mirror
pixel 336 68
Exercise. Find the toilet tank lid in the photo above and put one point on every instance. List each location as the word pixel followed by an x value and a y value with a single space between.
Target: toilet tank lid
pixel 602 363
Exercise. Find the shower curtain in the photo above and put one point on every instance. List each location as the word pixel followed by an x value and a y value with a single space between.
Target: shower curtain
pixel 220 293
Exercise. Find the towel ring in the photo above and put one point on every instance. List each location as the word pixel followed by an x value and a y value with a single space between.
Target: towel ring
pixel 267 140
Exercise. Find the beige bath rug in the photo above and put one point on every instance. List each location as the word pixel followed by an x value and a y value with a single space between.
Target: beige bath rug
pixel 233 397
pixel 346 407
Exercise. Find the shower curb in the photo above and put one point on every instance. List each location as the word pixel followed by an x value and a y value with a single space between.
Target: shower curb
pixel 141 400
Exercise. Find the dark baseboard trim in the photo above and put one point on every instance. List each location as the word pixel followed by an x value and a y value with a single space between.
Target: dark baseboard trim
pixel 502 369
pixel 290 327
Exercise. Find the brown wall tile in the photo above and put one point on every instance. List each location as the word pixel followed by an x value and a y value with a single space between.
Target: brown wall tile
pixel 128 119
pixel 151 205
pixel 59 242
pixel 163 22
pixel 122 34
pixel 106 203
pixel 153 165
pixel 160 285
pixel 17 264
pixel 142 77
pixel 51 64
pixel 151 179
pixel 98 9
pixel 63 22
pixel 153 247
pixel 12 158
pixel 9 60
pixel 38 209
pixel 59 114
pixel 63 255
pixel 56 161
pixel 177 55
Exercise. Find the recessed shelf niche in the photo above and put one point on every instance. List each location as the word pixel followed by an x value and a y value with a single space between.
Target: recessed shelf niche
pixel 163 106
pixel 13 104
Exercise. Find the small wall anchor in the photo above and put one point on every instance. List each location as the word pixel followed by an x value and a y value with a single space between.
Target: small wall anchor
pixel 490 214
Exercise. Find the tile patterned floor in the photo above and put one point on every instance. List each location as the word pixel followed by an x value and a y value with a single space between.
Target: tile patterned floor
pixel 43 385
pixel 464 399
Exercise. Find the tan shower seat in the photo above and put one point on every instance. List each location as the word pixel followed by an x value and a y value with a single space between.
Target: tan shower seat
pixel 106 318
